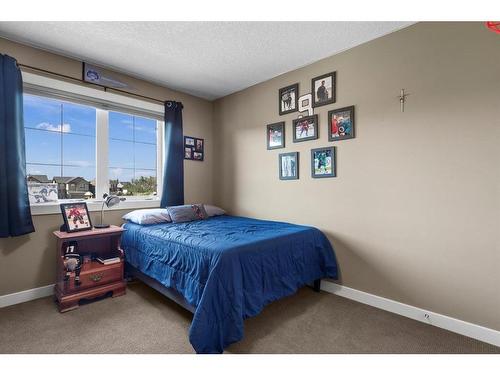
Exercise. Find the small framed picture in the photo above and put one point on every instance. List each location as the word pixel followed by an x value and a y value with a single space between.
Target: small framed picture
pixel 42 192
pixel 288 99
pixel 323 163
pixel 275 135
pixel 323 89
pixel 194 148
pixel 305 128
pixel 289 166
pixel 76 216
pixel 341 124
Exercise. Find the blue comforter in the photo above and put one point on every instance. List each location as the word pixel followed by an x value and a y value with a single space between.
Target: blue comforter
pixel 228 268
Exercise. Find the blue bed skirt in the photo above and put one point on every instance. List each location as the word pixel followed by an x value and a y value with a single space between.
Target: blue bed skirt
pixel 228 268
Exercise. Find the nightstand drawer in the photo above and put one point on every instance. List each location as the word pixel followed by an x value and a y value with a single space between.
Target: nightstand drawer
pixel 94 274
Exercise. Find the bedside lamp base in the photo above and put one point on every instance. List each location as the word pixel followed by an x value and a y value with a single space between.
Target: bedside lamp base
pixel 101 226
pixel 109 201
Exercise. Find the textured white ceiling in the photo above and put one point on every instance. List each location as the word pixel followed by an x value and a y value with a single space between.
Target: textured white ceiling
pixel 205 59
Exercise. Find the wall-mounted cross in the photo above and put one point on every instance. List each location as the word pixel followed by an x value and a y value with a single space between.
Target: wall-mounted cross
pixel 402 99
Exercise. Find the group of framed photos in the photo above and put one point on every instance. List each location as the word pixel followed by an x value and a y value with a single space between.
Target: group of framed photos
pixel 306 128
pixel 193 148
pixel 323 89
pixel 340 126
pixel 323 164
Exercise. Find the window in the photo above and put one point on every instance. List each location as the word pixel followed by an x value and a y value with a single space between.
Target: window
pixel 132 155
pixel 69 157
pixel 60 144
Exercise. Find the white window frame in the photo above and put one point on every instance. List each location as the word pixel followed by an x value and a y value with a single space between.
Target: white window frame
pixel 102 100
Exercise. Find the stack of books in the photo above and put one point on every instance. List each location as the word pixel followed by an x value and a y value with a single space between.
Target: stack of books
pixel 109 260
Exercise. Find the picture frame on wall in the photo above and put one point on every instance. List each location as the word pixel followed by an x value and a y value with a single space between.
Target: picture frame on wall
pixel 341 124
pixel 288 99
pixel 305 105
pixel 275 134
pixel 323 89
pixel 289 166
pixel 76 216
pixel 305 128
pixel 194 148
pixel 323 162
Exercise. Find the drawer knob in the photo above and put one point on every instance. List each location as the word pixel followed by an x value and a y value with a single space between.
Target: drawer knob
pixel 96 277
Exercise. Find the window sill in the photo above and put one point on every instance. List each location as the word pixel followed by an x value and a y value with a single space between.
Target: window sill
pixel 95 205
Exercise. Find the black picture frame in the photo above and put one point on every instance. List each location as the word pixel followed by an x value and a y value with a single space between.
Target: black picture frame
pixel 299 122
pixel 316 102
pixel 333 162
pixel 294 168
pixel 68 226
pixel 295 101
pixel 277 126
pixel 194 148
pixel 344 131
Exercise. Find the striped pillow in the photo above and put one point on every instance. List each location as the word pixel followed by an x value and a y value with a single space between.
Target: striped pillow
pixel 187 212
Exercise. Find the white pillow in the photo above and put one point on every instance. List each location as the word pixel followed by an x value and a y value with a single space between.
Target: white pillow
pixel 214 210
pixel 148 216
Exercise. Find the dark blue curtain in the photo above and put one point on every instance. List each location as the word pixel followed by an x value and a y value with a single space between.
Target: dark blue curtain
pixel 173 162
pixel 15 213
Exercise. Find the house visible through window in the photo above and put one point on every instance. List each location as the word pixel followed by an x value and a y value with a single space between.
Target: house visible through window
pixel 61 154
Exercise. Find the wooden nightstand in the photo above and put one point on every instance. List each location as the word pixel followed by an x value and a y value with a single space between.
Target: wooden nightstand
pixel 96 278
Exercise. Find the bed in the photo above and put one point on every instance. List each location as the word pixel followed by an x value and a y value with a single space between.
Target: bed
pixel 226 268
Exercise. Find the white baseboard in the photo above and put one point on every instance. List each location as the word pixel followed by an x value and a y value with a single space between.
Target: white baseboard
pixel 475 331
pixel 26 295
pixel 442 321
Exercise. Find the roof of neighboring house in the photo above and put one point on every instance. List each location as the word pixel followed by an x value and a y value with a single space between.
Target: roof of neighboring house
pixel 39 177
pixel 62 180
pixel 67 180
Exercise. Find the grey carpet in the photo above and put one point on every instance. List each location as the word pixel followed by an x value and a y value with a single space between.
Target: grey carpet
pixel 143 321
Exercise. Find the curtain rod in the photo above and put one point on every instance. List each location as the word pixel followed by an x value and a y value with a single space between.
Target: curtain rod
pixel 106 88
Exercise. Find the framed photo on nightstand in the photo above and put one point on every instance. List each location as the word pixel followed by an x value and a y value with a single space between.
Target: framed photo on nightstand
pixel 76 216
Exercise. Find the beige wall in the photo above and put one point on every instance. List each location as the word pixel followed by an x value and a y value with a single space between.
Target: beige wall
pixel 415 210
pixel 28 262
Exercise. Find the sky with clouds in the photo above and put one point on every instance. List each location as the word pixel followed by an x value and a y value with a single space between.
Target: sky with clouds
pixel 60 140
